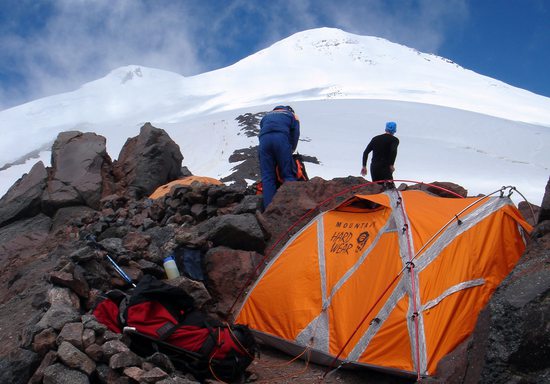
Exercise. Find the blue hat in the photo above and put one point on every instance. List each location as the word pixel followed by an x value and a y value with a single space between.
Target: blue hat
pixel 391 127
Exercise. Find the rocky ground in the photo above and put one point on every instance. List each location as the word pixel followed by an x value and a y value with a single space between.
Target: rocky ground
pixel 276 367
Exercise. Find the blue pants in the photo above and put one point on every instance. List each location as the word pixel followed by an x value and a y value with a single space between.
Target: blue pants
pixel 275 150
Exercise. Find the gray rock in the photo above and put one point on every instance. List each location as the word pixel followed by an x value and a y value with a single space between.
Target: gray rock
pixel 124 359
pixel 65 219
pixel 90 322
pixel 95 352
pixel 75 358
pixel 227 270
pixel 249 204
pixel 198 211
pixel 57 316
pixel 134 373
pixel 49 359
pixel 88 337
pixel 106 374
pixel 23 239
pixel 60 374
pixel 18 366
pixel 108 336
pixel 63 296
pixel 113 347
pixel 83 255
pixel 195 289
pixel 162 361
pixel 71 333
pixel 235 231
pixel 154 375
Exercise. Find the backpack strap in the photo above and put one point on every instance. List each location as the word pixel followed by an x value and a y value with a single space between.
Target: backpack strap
pixel 211 341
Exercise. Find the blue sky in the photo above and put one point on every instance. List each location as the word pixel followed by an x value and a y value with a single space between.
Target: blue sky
pixel 53 46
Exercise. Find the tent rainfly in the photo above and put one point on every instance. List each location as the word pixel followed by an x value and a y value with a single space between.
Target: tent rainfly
pixel 391 281
pixel 163 190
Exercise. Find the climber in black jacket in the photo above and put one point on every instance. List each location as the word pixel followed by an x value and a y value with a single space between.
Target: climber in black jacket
pixel 384 152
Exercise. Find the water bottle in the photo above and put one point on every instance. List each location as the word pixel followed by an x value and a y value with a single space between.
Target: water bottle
pixel 171 268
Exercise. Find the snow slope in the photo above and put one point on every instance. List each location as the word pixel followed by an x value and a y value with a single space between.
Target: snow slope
pixel 454 124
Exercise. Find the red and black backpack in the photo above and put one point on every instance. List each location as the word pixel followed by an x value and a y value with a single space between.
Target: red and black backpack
pixel 162 318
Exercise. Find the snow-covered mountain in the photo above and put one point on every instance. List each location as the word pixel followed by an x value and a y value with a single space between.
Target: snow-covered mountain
pixel 454 125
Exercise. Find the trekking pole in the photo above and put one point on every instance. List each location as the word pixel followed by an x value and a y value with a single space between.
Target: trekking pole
pixel 93 243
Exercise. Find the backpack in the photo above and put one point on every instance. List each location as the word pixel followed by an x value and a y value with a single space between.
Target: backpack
pixel 162 318
pixel 301 174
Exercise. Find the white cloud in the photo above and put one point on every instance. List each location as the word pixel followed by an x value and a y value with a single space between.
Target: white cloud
pixel 84 40
pixel 79 41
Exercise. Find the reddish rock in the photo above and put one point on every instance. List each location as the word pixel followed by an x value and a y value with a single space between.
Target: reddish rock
pixel 23 199
pixel 80 171
pixel 136 241
pixel 228 271
pixel 44 341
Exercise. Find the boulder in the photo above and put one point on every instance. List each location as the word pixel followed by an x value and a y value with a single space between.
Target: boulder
pixel 80 172
pixel 23 199
pixel 234 231
pixel 147 161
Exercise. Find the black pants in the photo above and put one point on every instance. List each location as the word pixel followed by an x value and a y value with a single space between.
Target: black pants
pixel 382 172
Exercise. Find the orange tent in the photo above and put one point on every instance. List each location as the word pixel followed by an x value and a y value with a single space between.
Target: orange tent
pixel 164 189
pixel 393 281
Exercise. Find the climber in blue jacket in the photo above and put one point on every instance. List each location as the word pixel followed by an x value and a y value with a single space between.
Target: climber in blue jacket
pixel 279 134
